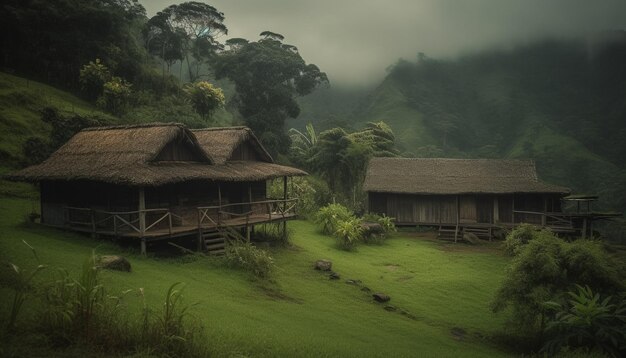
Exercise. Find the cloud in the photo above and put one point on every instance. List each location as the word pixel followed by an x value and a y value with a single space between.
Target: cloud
pixel 355 40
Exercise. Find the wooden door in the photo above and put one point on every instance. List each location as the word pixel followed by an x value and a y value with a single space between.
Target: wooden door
pixel 467 209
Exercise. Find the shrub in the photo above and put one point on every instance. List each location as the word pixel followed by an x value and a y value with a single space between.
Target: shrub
pixel 312 193
pixel 587 321
pixel 204 97
pixel 242 254
pixel 379 234
pixel 544 270
pixel 92 78
pixel 329 216
pixel 348 233
pixel 517 238
pixel 116 96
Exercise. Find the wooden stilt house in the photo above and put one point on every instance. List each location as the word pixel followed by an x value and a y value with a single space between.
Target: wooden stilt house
pixel 463 195
pixel 160 181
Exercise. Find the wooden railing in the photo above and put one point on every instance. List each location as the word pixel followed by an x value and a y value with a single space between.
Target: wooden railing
pixel 117 222
pixel 542 218
pixel 219 215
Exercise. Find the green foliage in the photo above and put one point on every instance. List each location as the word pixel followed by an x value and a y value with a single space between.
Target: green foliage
pixel 312 193
pixel 545 269
pixel 518 237
pixel 116 96
pixel 188 30
pixel 348 233
pixel 329 216
pixel 21 284
pixel 243 254
pixel 341 158
pixel 205 98
pixel 378 235
pixel 93 77
pixel 587 321
pixel 277 71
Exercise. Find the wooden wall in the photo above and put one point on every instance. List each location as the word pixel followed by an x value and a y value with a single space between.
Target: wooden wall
pixel 244 152
pixel 475 208
pixel 181 198
pixel 178 151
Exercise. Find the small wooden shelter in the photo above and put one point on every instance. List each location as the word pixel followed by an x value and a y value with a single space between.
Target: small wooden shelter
pixel 463 195
pixel 160 181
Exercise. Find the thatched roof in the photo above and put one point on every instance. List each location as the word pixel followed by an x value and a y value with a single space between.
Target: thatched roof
pixel 220 143
pixel 129 155
pixel 455 176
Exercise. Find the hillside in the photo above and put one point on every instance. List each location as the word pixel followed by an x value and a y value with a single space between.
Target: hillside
pixel 562 104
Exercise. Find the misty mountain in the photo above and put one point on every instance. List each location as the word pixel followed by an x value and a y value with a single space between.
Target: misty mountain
pixel 561 103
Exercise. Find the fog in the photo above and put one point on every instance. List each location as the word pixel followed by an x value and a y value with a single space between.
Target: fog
pixel 354 41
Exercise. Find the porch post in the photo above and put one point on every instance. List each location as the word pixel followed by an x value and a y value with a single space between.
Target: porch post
pixel 458 215
pixel 142 219
pixel 284 206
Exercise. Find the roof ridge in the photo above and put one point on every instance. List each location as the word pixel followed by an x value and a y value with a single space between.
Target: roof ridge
pixel 458 159
pixel 220 128
pixel 132 126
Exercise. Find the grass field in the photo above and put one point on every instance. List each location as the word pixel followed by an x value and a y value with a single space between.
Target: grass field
pixel 435 287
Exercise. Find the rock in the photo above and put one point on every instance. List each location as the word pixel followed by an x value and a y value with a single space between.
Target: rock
pixel 458 333
pixel 353 282
pixel 390 308
pixel 323 265
pixel 112 262
pixel 365 289
pixel 381 297
pixel 334 276
pixel 471 238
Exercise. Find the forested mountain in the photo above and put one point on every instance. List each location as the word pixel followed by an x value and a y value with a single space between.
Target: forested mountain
pixel 562 103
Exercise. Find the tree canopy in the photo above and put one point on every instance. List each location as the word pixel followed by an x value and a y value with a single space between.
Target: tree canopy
pixel 268 75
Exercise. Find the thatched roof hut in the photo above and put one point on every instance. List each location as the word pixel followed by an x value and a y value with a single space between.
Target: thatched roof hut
pixel 455 176
pixel 154 154
pixel 222 143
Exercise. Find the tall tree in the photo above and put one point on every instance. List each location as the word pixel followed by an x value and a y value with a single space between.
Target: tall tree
pixel 199 24
pixel 268 75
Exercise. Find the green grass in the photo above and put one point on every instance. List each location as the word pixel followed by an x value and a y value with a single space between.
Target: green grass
pixel 21 101
pixel 302 312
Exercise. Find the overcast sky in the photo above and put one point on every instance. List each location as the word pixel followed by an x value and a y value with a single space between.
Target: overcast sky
pixel 354 41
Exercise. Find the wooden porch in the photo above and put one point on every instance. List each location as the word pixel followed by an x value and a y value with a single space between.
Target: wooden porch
pixel 164 223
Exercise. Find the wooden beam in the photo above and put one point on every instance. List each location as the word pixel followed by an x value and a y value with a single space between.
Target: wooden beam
pixel 513 209
pixel 496 210
pixel 458 215
pixel 584 228
pixel 142 219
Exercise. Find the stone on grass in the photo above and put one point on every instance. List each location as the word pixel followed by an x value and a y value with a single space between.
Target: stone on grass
pixel 323 265
pixel 353 282
pixel 365 289
pixel 381 297
pixel 113 262
pixel 334 276
pixel 390 308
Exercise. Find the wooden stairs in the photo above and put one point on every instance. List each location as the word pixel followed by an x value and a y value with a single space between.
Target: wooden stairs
pixel 455 233
pixel 214 241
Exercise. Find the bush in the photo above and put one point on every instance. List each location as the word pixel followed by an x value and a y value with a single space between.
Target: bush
pixel 587 321
pixel 116 96
pixel 92 78
pixel 242 254
pixel 205 98
pixel 517 238
pixel 386 228
pixel 547 268
pixel 329 216
pixel 348 233
pixel 312 193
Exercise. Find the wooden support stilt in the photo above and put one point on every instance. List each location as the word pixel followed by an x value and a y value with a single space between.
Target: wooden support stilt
pixel 458 214
pixel 584 233
pixel 142 219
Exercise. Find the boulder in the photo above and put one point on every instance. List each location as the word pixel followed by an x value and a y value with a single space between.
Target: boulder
pixel 113 262
pixel 323 265
pixel 471 238
pixel 381 297
pixel 334 276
